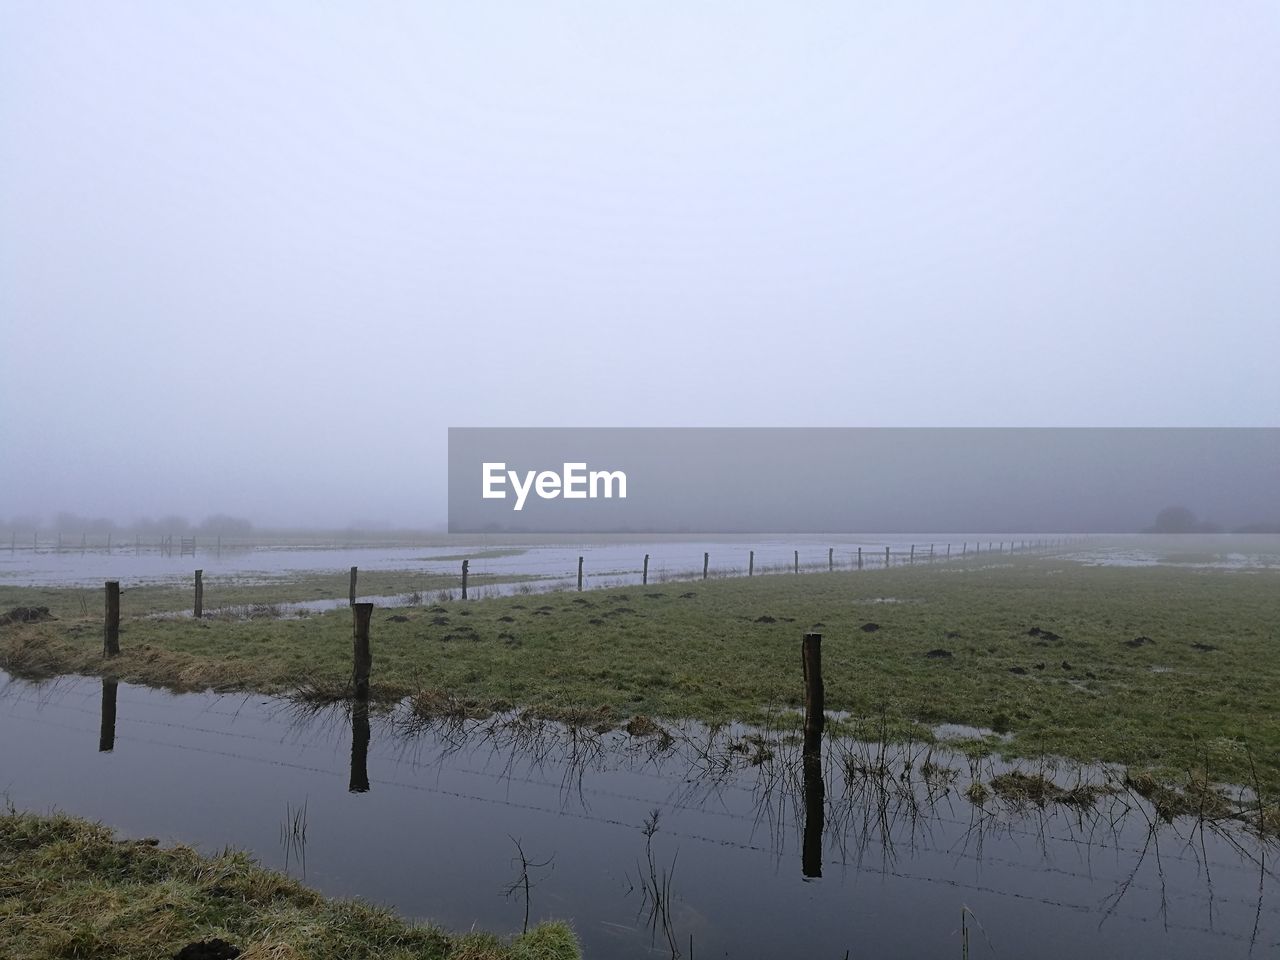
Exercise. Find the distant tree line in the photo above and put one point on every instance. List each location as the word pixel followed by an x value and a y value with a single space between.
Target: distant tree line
pixel 1182 520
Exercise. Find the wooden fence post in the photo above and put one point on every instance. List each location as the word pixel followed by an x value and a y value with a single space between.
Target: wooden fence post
pixel 351 590
pixel 886 558
pixel 199 607
pixel 814 692
pixel 859 558
pixel 706 561
pixel 912 558
pixel 948 551
pixel 111 634
pixel 831 559
pixel 466 566
pixel 751 564
pixel 644 580
pixel 797 561
pixel 579 574
pixel 362 658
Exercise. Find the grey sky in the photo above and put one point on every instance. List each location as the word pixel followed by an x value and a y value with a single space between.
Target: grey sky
pixel 256 258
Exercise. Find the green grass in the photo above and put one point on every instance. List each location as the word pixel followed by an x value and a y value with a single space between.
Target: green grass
pixel 704 651
pixel 68 888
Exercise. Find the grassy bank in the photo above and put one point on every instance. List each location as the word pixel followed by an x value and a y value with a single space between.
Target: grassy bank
pixel 68 888
pixel 1171 669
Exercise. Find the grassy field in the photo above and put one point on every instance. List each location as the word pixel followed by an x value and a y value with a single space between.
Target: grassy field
pixel 1168 669
pixel 68 888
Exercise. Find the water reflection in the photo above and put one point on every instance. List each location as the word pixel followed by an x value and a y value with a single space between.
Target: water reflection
pixel 107 727
pixel 899 825
pixel 360 736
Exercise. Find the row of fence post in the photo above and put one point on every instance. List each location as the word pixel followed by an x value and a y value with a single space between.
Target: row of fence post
pixel 992 546
pixel 198 607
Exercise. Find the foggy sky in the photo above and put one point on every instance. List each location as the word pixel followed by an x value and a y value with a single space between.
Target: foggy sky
pixel 257 258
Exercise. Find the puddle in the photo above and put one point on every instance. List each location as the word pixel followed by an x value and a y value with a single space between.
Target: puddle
pixel 873 850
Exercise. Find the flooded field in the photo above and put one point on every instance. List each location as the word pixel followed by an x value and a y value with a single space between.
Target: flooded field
pixel 606 561
pixel 669 840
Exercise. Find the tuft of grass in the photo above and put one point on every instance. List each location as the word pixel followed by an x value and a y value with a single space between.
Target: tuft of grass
pixel 69 888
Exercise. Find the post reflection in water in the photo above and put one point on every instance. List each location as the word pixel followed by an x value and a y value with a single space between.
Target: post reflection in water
pixel 359 747
pixel 107 730
pixel 815 798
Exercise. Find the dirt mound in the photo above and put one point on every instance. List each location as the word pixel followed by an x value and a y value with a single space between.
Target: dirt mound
pixel 214 949
pixel 869 627
pixel 1043 634
pixel 939 654
pixel 1138 642
pixel 26 615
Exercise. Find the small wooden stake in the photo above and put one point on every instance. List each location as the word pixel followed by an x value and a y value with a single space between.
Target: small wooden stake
pixel 859 558
pixel 644 578
pixel 751 564
pixel 111 635
pixel 199 608
pixel 579 574
pixel 886 558
pixel 797 561
pixel 913 554
pixel 831 559
pixel 362 658
pixel 351 590
pixel 466 566
pixel 706 561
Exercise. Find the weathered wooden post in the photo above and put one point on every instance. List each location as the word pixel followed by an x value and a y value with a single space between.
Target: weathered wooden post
pixel 797 561
pixel 931 553
pixel 831 559
pixel 466 566
pixel 964 548
pixel 814 788
pixel 644 579
pixel 706 562
pixel 814 692
pixel 886 558
pixel 948 551
pixel 137 544
pixel 199 608
pixel 111 634
pixel 912 558
pixel 351 589
pixel 362 658
pixel 859 558
pixel 107 726
pixel 83 541
pixel 579 574
pixel 751 564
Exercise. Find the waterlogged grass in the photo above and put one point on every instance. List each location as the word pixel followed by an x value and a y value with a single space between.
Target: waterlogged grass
pixel 68 888
pixel 1171 670
pixel 241 593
